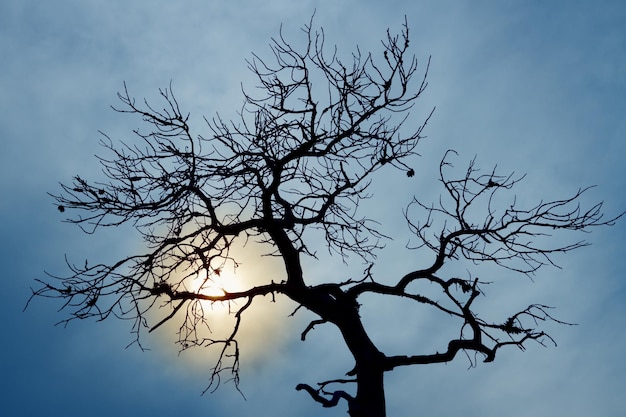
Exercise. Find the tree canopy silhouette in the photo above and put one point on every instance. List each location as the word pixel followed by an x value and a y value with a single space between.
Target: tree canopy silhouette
pixel 300 158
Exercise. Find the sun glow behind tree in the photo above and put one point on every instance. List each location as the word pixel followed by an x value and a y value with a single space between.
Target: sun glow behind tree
pixel 263 332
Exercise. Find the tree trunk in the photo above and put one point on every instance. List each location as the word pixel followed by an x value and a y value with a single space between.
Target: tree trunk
pixel 370 394
pixel 331 304
pixel 369 368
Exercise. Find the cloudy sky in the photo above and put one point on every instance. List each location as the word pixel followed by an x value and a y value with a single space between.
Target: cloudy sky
pixel 532 87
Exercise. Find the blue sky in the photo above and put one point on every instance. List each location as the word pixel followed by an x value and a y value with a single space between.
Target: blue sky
pixel 533 87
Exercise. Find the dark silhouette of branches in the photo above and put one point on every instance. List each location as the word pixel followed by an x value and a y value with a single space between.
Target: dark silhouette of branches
pixel 301 157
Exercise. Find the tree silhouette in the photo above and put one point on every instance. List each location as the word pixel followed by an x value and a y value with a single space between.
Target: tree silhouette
pixel 296 165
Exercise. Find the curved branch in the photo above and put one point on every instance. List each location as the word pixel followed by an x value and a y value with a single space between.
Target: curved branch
pixel 332 402
pixel 509 236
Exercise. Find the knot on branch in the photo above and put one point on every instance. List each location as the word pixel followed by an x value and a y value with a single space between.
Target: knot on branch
pixel 162 288
pixel 510 327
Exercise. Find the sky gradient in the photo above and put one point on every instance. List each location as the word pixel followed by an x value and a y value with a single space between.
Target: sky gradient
pixel 534 88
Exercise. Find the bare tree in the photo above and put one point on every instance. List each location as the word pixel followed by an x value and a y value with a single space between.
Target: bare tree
pixel 300 158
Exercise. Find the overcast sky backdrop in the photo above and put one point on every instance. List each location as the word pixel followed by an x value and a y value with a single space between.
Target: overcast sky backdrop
pixel 534 86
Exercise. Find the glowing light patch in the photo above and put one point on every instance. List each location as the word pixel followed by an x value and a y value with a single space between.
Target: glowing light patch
pixel 265 326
